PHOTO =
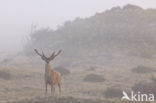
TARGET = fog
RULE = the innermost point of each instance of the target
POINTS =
(18, 15)
(105, 49)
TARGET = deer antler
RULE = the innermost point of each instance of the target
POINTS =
(54, 55)
(38, 52)
(58, 52)
(43, 53)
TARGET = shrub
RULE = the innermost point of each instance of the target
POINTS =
(112, 92)
(146, 55)
(153, 78)
(143, 69)
(62, 70)
(5, 75)
(94, 78)
(92, 68)
(144, 87)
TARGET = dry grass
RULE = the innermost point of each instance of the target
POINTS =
(61, 100)
(27, 84)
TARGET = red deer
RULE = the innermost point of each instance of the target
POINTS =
(52, 77)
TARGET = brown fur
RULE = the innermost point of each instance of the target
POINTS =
(56, 76)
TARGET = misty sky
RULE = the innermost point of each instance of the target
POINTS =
(16, 16)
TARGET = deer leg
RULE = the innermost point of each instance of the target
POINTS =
(51, 88)
(54, 89)
(59, 85)
(45, 88)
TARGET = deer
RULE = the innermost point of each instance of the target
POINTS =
(52, 77)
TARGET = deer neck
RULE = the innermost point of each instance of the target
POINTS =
(48, 68)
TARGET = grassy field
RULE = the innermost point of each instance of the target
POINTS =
(25, 85)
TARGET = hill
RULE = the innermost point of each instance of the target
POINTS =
(105, 38)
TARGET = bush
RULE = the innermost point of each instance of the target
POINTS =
(92, 68)
(93, 78)
(62, 70)
(146, 88)
(112, 93)
(143, 69)
(146, 55)
(153, 78)
(5, 75)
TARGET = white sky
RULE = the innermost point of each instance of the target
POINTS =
(16, 16)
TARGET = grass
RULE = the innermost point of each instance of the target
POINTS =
(60, 100)
(27, 86)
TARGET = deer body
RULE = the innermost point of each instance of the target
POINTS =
(52, 77)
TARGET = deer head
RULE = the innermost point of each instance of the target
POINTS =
(48, 59)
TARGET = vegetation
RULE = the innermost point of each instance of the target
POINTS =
(119, 36)
(92, 68)
(62, 70)
(145, 87)
(93, 78)
(62, 100)
(129, 31)
(143, 69)
(5, 75)
(111, 92)
(153, 78)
